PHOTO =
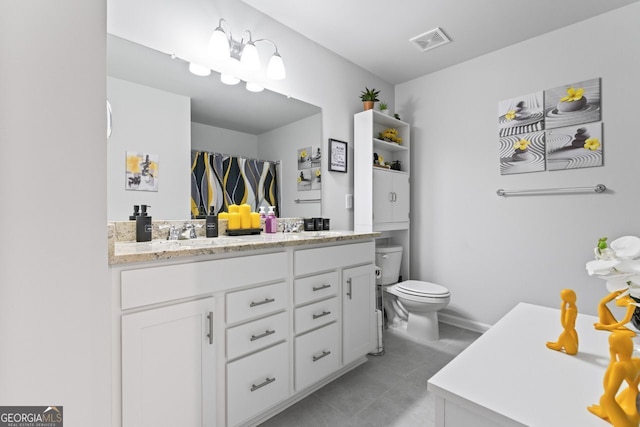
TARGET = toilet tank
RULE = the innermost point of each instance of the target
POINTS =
(388, 258)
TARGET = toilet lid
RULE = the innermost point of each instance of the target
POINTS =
(419, 288)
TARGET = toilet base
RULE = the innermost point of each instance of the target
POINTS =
(424, 326)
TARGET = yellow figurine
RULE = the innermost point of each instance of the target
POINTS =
(607, 321)
(568, 339)
(620, 408)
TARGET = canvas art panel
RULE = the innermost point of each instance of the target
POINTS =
(304, 180)
(522, 153)
(572, 104)
(141, 172)
(523, 114)
(304, 158)
(574, 147)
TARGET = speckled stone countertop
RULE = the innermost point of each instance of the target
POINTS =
(122, 251)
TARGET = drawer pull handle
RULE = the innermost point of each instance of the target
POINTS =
(324, 354)
(324, 313)
(319, 288)
(266, 334)
(210, 334)
(266, 301)
(266, 382)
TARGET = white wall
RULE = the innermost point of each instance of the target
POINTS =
(493, 252)
(219, 140)
(314, 74)
(54, 284)
(283, 144)
(148, 120)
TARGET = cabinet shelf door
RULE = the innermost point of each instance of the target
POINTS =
(168, 366)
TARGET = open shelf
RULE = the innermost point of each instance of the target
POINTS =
(389, 146)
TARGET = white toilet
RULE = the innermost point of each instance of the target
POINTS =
(414, 301)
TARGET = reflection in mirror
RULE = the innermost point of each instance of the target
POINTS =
(162, 110)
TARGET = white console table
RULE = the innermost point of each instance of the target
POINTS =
(508, 377)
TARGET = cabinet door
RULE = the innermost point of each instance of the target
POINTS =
(382, 196)
(358, 289)
(400, 197)
(168, 366)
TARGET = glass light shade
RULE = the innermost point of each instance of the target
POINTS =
(253, 87)
(249, 59)
(219, 45)
(199, 70)
(229, 79)
(275, 69)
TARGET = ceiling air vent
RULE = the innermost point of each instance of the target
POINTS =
(430, 40)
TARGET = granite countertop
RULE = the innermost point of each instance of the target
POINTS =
(125, 252)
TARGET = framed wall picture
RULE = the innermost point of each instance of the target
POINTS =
(337, 155)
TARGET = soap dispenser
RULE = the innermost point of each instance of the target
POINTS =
(271, 224)
(136, 213)
(143, 225)
(211, 223)
(263, 218)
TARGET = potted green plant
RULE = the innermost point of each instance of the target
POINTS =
(369, 97)
(383, 107)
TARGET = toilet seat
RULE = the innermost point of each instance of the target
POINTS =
(422, 289)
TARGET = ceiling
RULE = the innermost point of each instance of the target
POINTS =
(374, 34)
(212, 102)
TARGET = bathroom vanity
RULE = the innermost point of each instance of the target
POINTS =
(231, 330)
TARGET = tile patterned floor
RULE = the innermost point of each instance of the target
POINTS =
(387, 391)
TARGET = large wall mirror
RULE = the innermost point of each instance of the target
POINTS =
(162, 110)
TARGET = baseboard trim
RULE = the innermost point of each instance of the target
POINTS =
(463, 323)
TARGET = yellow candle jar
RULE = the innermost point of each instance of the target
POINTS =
(234, 221)
(255, 219)
(245, 218)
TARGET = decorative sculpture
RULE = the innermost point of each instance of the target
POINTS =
(568, 339)
(607, 322)
(620, 408)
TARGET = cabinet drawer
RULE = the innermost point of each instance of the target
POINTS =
(170, 282)
(317, 355)
(315, 315)
(257, 382)
(244, 305)
(309, 261)
(315, 287)
(255, 335)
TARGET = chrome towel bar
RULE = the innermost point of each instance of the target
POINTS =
(307, 200)
(599, 188)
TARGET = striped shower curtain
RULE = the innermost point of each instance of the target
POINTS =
(220, 180)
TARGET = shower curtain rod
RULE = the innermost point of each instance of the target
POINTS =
(599, 188)
(277, 162)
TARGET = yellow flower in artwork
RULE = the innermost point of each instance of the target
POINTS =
(510, 115)
(573, 95)
(592, 144)
(318, 173)
(133, 164)
(303, 154)
(153, 168)
(299, 180)
(521, 145)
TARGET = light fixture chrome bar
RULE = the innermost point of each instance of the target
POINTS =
(599, 188)
(307, 200)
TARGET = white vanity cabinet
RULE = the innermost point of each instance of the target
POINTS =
(168, 366)
(230, 340)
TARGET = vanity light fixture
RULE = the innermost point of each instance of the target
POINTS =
(199, 70)
(222, 46)
(253, 87)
